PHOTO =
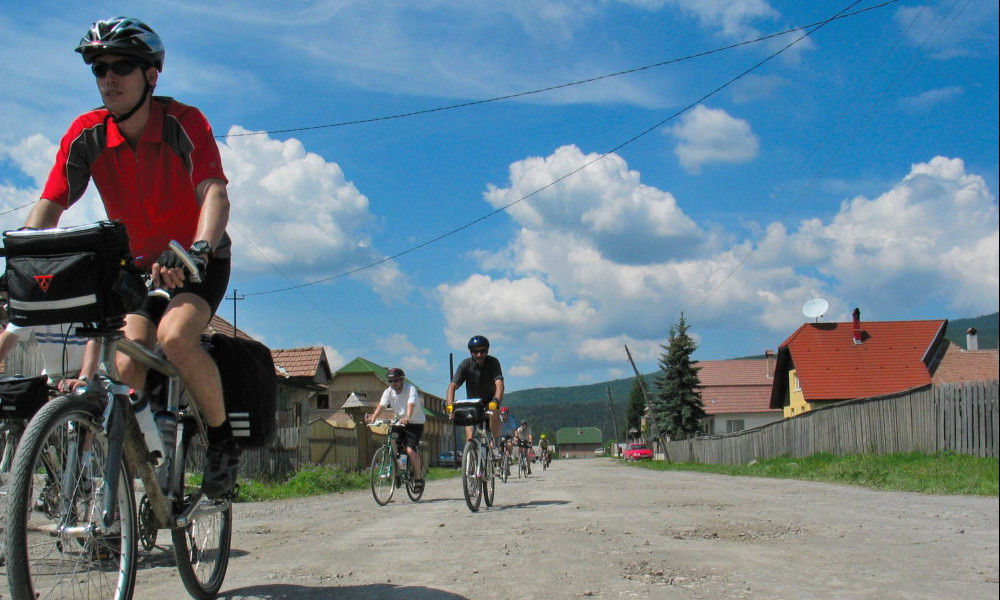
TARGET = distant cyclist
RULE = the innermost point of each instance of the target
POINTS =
(543, 445)
(483, 379)
(508, 425)
(523, 439)
(404, 401)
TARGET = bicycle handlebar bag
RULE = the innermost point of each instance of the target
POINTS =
(21, 397)
(470, 411)
(81, 274)
(249, 388)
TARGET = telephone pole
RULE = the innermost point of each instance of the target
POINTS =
(235, 298)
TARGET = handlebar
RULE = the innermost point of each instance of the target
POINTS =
(189, 265)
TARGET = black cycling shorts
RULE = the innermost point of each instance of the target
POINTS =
(410, 434)
(212, 290)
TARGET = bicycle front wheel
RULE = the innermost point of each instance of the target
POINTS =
(56, 545)
(489, 479)
(383, 476)
(202, 546)
(10, 435)
(504, 466)
(522, 465)
(471, 476)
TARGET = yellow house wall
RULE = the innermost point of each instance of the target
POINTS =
(796, 400)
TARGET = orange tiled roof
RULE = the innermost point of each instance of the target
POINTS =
(960, 365)
(220, 325)
(894, 356)
(298, 362)
(735, 386)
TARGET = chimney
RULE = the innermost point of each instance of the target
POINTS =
(971, 339)
(769, 355)
(857, 325)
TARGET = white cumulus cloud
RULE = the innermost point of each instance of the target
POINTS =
(711, 135)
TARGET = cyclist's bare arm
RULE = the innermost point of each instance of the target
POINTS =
(44, 214)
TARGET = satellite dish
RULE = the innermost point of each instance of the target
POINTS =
(815, 308)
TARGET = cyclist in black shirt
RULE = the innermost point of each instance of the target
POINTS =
(483, 379)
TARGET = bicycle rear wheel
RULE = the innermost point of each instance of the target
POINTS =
(55, 546)
(202, 547)
(489, 479)
(411, 480)
(383, 476)
(470, 476)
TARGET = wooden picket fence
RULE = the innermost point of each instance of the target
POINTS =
(960, 418)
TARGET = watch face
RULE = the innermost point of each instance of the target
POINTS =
(201, 247)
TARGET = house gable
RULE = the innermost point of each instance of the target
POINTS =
(837, 361)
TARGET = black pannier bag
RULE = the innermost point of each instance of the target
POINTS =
(249, 388)
(81, 274)
(21, 397)
(471, 411)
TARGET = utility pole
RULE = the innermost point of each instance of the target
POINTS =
(649, 406)
(614, 420)
(234, 298)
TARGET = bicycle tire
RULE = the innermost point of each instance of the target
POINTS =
(411, 479)
(382, 475)
(10, 435)
(504, 466)
(470, 478)
(202, 547)
(489, 480)
(522, 465)
(54, 549)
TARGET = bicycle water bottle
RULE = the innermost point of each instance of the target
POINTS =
(402, 460)
(147, 424)
(167, 424)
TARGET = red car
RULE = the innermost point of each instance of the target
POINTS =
(637, 451)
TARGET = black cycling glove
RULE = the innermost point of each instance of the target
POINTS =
(170, 260)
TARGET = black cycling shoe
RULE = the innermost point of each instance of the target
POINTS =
(222, 460)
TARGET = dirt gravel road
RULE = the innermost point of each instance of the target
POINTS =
(595, 528)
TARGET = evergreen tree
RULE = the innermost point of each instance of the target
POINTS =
(676, 405)
(634, 409)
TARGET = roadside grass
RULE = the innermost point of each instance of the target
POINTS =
(943, 473)
(312, 480)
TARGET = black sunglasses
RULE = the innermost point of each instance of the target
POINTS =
(479, 351)
(394, 380)
(120, 67)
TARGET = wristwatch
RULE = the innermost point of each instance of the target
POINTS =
(202, 247)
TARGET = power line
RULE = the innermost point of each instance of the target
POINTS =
(569, 174)
(560, 86)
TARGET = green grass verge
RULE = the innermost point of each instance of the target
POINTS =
(314, 480)
(943, 473)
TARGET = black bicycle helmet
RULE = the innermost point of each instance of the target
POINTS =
(479, 341)
(395, 373)
(122, 36)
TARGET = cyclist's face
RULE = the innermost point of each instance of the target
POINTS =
(479, 354)
(121, 92)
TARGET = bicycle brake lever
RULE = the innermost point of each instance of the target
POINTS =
(189, 265)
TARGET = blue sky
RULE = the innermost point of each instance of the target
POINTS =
(735, 178)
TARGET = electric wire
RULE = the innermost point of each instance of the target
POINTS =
(602, 156)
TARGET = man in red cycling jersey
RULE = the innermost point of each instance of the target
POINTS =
(158, 169)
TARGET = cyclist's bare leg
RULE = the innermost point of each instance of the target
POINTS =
(495, 425)
(414, 458)
(180, 335)
(141, 330)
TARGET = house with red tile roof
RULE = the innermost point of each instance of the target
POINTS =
(961, 365)
(736, 394)
(824, 363)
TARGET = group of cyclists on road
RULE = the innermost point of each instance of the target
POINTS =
(483, 378)
(158, 169)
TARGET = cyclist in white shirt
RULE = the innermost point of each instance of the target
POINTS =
(404, 402)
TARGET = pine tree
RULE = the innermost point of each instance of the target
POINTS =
(677, 405)
(634, 409)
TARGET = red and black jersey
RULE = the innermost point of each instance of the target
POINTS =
(150, 188)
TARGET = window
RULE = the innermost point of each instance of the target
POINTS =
(795, 383)
(322, 401)
(734, 425)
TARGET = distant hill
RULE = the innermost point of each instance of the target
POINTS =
(549, 409)
(987, 330)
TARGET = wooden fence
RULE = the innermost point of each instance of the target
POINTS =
(961, 418)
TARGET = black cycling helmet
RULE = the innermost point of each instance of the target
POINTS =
(122, 36)
(479, 341)
(395, 373)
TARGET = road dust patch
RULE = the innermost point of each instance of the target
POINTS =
(768, 531)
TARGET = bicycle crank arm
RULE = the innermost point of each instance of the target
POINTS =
(201, 507)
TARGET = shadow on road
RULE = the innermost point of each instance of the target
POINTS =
(380, 591)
